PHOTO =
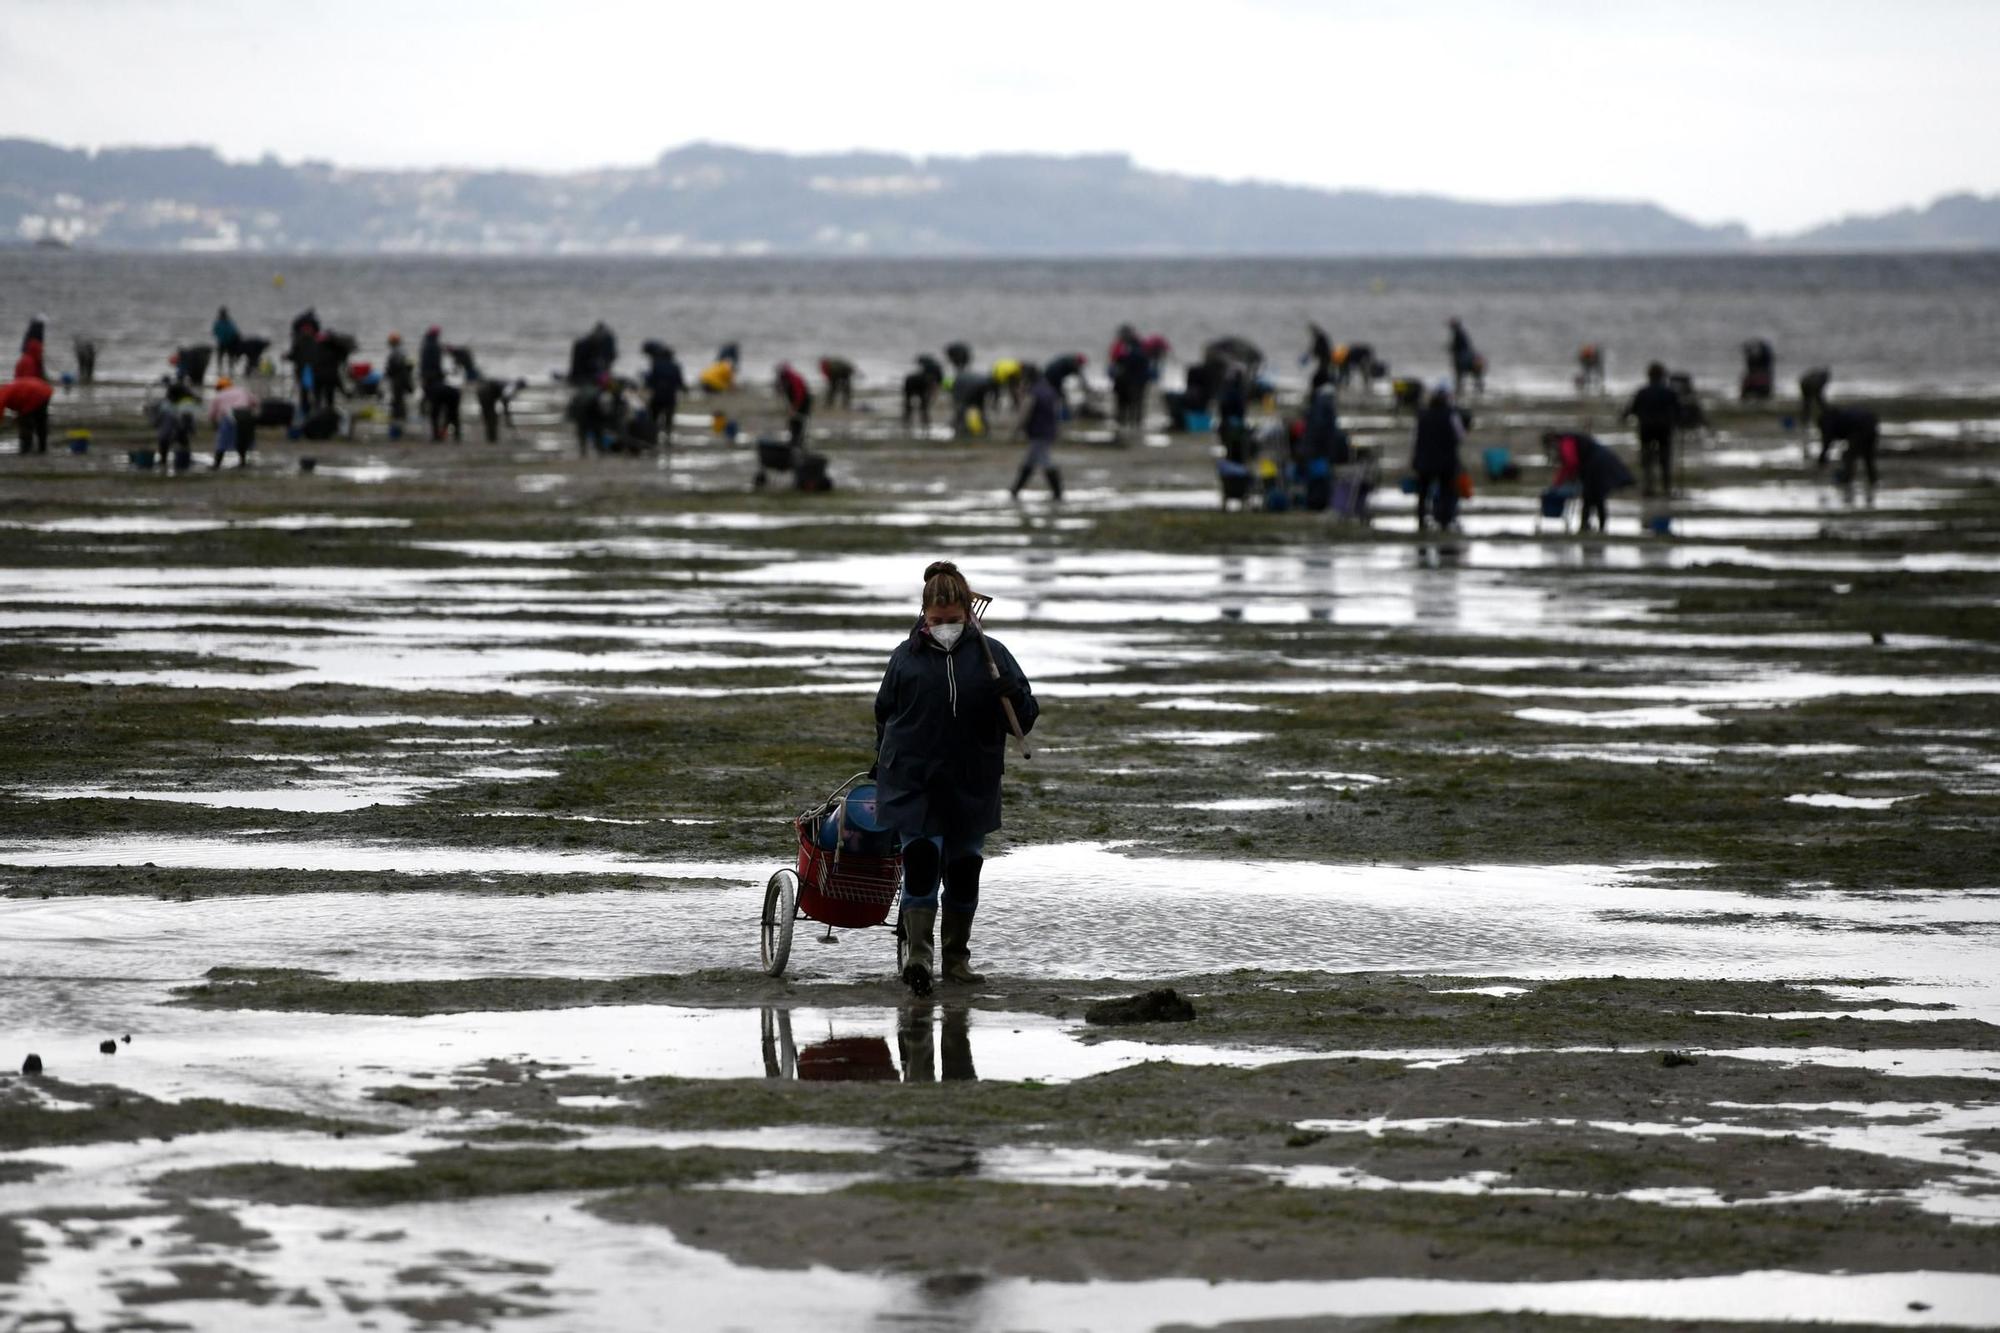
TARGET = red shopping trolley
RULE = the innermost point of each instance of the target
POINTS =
(848, 875)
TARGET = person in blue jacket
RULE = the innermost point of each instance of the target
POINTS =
(940, 747)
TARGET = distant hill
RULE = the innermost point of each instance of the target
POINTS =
(1953, 222)
(709, 199)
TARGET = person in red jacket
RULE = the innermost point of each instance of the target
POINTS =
(796, 394)
(31, 366)
(1588, 464)
(28, 399)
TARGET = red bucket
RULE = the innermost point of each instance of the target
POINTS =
(846, 889)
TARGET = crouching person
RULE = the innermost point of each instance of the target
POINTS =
(1595, 470)
(1860, 429)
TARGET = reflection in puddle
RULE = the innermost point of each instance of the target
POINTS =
(327, 1064)
(921, 1035)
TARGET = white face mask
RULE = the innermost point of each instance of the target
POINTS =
(947, 634)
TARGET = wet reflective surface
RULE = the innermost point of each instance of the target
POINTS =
(396, 670)
(1181, 915)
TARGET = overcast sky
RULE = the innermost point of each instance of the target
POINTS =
(1777, 113)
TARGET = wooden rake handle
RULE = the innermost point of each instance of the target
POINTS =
(978, 608)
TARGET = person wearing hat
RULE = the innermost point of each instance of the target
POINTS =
(233, 413)
(940, 748)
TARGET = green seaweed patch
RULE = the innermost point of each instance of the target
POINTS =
(1229, 1228)
(1568, 1153)
(1384, 1011)
(297, 990)
(114, 1114)
(16, 1249)
(503, 1134)
(469, 1173)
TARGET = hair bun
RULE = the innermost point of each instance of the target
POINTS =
(945, 586)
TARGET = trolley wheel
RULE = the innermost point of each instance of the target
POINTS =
(781, 911)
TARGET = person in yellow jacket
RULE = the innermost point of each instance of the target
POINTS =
(720, 377)
(1008, 379)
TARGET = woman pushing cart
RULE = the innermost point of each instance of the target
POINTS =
(949, 699)
(947, 703)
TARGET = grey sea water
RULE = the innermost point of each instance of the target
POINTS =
(1885, 323)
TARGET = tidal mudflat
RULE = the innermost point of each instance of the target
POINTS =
(1580, 933)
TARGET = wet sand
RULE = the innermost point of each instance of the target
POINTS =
(1572, 925)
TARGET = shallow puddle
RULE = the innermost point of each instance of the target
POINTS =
(1617, 718)
(326, 1063)
(544, 1254)
(1835, 801)
(1079, 911)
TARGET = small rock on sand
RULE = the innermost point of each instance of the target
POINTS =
(108, 1046)
(32, 1065)
(1155, 1006)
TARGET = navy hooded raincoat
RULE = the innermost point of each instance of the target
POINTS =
(941, 735)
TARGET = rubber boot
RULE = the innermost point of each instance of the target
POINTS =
(961, 900)
(1020, 480)
(917, 924)
(955, 934)
(1055, 482)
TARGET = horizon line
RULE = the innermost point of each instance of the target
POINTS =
(303, 162)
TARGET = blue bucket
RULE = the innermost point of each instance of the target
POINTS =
(1554, 503)
(855, 828)
(1497, 460)
(1200, 423)
(1661, 525)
